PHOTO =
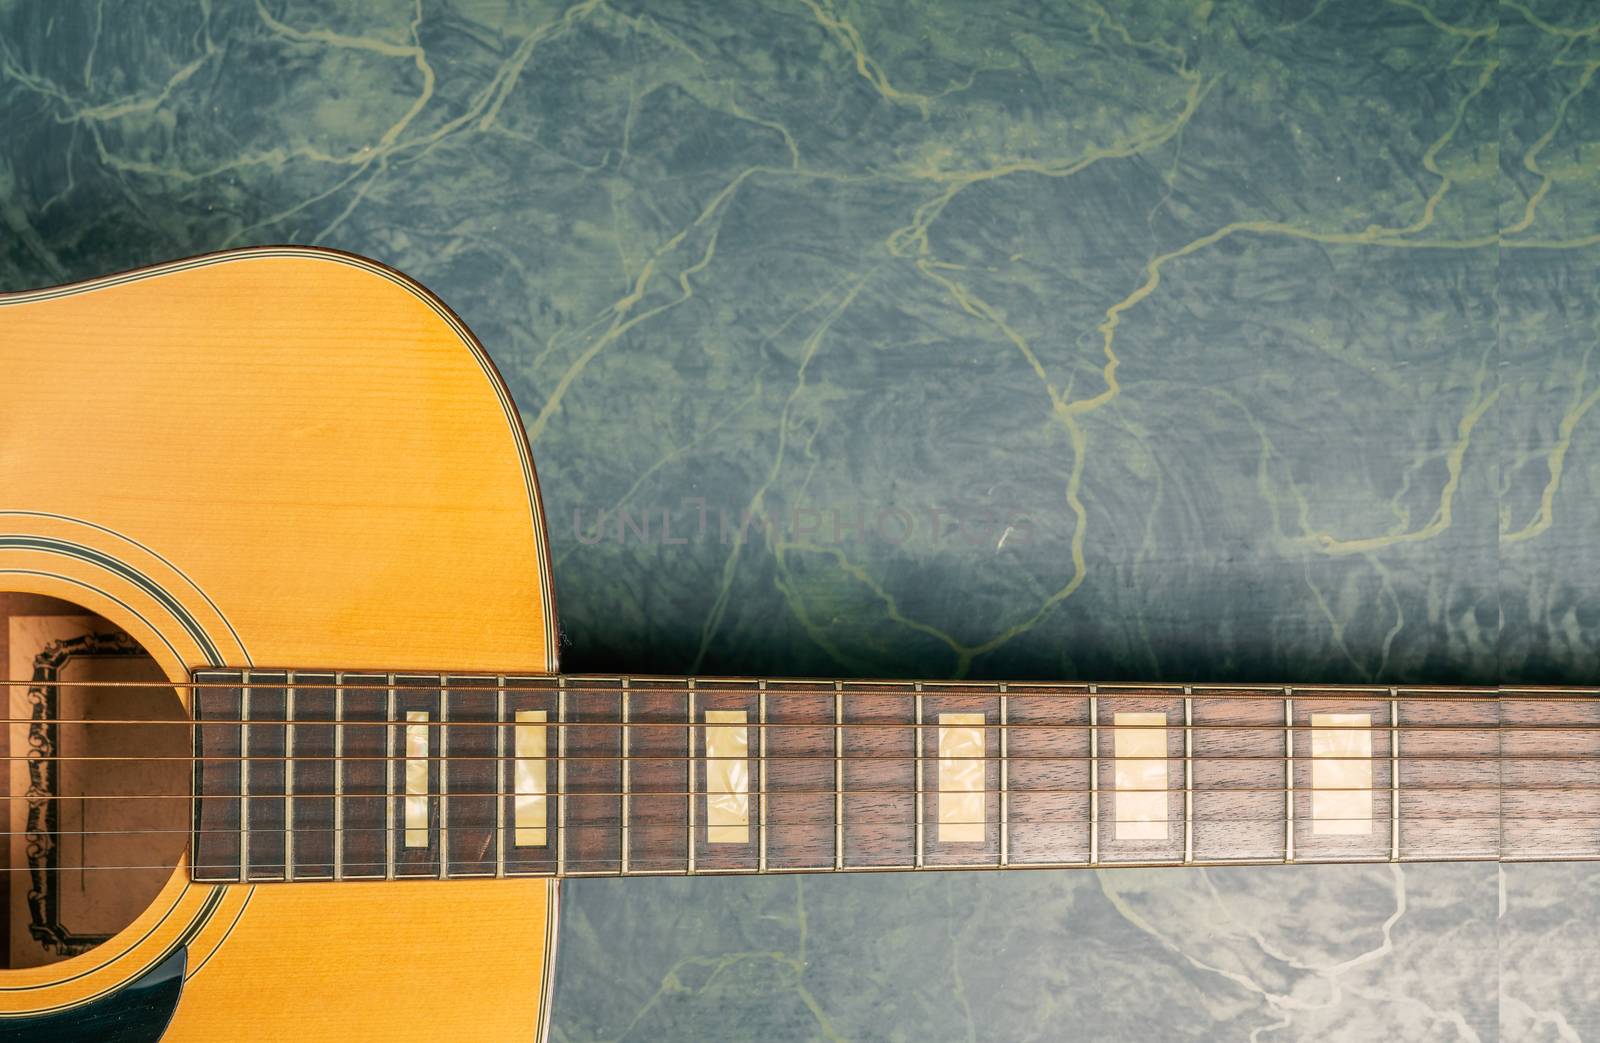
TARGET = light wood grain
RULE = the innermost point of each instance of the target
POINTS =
(316, 466)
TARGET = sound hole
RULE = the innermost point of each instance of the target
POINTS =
(98, 783)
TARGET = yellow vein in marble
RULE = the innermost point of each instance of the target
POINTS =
(1065, 410)
(512, 71)
(1330, 973)
(1372, 235)
(1443, 517)
(94, 44)
(1294, 999)
(975, 306)
(811, 346)
(363, 158)
(1549, 28)
(1556, 460)
(105, 111)
(621, 323)
(1154, 46)
(1270, 499)
(14, 215)
(1316, 10)
(1555, 1018)
(1386, 587)
(866, 66)
(140, 106)
(1335, 628)
(413, 51)
(891, 606)
(1530, 159)
(1434, 20)
(788, 139)
(702, 434)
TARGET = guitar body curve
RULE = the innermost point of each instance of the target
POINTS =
(284, 456)
(139, 1012)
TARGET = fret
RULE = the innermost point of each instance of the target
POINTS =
(1142, 808)
(1049, 783)
(390, 715)
(442, 734)
(363, 804)
(561, 780)
(244, 777)
(288, 781)
(217, 704)
(469, 830)
(838, 775)
(1005, 777)
(337, 788)
(1341, 776)
(1549, 743)
(1288, 793)
(415, 776)
(879, 775)
(501, 753)
(312, 770)
(1188, 775)
(761, 785)
(626, 773)
(266, 775)
(1237, 775)
(802, 808)
(961, 774)
(593, 786)
(1449, 779)
(1394, 775)
(1094, 777)
(530, 834)
(657, 840)
(689, 740)
(916, 738)
(722, 845)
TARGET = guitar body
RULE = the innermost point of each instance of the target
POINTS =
(270, 457)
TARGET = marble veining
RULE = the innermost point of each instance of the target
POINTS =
(1190, 340)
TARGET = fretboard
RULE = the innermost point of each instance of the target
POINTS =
(304, 775)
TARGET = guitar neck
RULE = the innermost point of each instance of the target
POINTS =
(321, 776)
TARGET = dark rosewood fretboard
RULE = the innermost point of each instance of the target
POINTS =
(307, 775)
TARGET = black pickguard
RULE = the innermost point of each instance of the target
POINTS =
(136, 1013)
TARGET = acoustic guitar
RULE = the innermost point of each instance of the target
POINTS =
(290, 756)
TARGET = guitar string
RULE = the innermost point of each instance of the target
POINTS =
(1377, 790)
(679, 823)
(437, 690)
(632, 725)
(1198, 759)
(828, 823)
(611, 867)
(801, 688)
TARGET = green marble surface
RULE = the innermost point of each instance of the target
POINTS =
(1246, 340)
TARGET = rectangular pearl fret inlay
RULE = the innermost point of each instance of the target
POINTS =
(416, 814)
(1341, 774)
(727, 777)
(530, 821)
(1140, 779)
(961, 769)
